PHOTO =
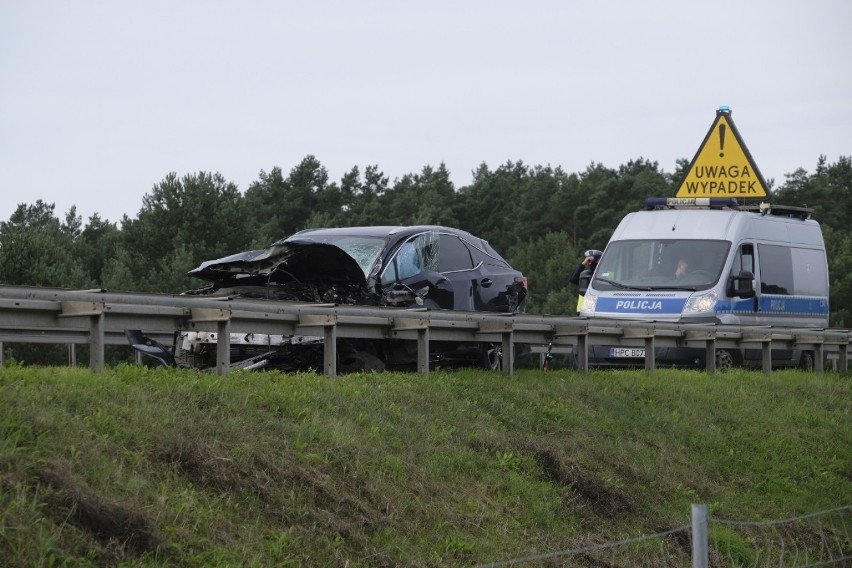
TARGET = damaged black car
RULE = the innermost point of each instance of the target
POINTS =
(417, 266)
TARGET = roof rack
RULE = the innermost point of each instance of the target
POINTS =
(802, 213)
(764, 208)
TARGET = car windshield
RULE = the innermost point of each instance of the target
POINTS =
(661, 264)
(365, 250)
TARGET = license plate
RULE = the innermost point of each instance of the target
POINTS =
(621, 352)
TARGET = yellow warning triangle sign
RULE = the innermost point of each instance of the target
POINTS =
(723, 166)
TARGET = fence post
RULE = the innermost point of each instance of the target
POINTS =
(699, 536)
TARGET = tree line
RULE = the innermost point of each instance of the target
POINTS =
(540, 218)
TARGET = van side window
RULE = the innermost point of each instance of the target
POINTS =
(744, 261)
(776, 269)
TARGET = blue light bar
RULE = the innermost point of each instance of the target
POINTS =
(709, 202)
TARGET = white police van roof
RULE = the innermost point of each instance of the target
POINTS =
(719, 219)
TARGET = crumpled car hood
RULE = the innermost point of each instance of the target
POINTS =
(296, 261)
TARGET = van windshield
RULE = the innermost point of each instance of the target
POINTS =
(672, 264)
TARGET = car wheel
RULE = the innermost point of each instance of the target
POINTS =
(492, 356)
(806, 363)
(725, 360)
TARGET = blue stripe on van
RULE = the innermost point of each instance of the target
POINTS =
(735, 306)
(793, 305)
(640, 305)
(776, 304)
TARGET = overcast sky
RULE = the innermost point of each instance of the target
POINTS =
(100, 100)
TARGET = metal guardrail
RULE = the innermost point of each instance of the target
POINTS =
(99, 318)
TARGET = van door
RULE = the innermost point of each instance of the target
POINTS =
(773, 287)
(746, 307)
(743, 264)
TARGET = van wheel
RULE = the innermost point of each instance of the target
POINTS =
(806, 363)
(725, 360)
(360, 361)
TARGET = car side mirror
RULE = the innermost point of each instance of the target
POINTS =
(742, 285)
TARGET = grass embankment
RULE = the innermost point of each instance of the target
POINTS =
(164, 467)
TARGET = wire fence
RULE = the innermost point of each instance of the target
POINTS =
(822, 538)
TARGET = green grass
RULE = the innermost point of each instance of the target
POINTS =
(155, 467)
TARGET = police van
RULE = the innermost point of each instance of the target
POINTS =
(710, 260)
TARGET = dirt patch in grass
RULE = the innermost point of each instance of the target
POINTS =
(348, 510)
(565, 471)
(561, 469)
(122, 530)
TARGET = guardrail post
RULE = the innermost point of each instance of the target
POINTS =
(764, 337)
(508, 362)
(423, 351)
(810, 340)
(579, 331)
(708, 337)
(507, 346)
(328, 323)
(700, 556)
(582, 354)
(404, 326)
(96, 342)
(650, 355)
(223, 347)
(646, 333)
(95, 312)
(837, 339)
(710, 357)
(222, 317)
(329, 352)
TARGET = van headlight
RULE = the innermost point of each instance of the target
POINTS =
(590, 301)
(699, 303)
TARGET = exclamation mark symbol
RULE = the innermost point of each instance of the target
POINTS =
(721, 140)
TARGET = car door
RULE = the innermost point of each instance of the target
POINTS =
(411, 275)
(456, 265)
(493, 282)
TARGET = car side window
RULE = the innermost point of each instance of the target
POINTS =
(480, 256)
(418, 254)
(454, 255)
(407, 261)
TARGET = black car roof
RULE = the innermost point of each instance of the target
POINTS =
(381, 230)
(400, 231)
